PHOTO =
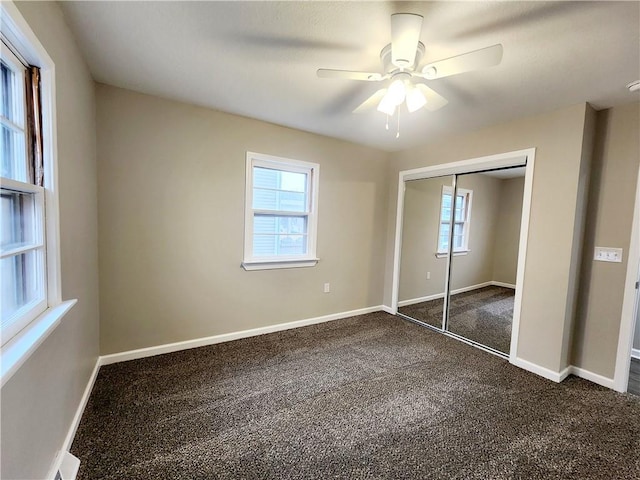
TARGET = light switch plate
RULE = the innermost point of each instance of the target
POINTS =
(607, 254)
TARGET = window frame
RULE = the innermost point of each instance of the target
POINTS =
(466, 223)
(30, 311)
(309, 259)
(28, 49)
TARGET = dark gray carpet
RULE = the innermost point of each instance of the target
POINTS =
(484, 315)
(367, 397)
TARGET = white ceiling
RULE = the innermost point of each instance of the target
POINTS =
(259, 59)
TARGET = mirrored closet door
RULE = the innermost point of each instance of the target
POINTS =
(423, 274)
(486, 235)
(459, 254)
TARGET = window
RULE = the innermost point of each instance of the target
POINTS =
(280, 213)
(30, 293)
(22, 262)
(460, 223)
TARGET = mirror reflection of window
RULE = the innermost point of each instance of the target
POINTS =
(461, 224)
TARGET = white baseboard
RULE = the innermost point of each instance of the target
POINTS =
(470, 287)
(64, 460)
(80, 410)
(542, 371)
(227, 337)
(592, 377)
(560, 376)
(387, 309)
(413, 301)
(564, 374)
(502, 284)
(428, 298)
(635, 353)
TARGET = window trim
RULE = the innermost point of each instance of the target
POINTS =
(16, 32)
(251, 262)
(446, 189)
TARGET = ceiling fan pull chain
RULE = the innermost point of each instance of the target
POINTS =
(398, 130)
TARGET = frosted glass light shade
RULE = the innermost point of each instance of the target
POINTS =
(415, 100)
(387, 105)
(397, 92)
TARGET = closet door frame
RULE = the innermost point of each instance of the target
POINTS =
(490, 162)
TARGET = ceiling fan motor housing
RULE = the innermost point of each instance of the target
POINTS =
(389, 66)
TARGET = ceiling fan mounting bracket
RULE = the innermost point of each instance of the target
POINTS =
(401, 75)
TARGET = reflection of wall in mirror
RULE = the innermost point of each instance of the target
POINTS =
(507, 235)
(493, 237)
(421, 218)
(636, 337)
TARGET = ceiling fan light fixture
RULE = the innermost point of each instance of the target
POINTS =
(386, 105)
(397, 92)
(415, 100)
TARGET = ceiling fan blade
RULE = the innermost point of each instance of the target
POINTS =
(405, 35)
(349, 75)
(485, 57)
(371, 102)
(434, 99)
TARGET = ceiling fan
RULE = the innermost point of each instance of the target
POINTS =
(400, 60)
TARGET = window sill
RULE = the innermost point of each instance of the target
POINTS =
(457, 253)
(272, 265)
(17, 350)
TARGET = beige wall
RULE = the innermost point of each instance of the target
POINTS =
(40, 400)
(171, 209)
(579, 222)
(420, 240)
(558, 139)
(507, 233)
(609, 215)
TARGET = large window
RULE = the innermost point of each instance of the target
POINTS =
(280, 212)
(22, 247)
(461, 217)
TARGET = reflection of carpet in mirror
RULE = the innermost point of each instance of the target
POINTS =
(428, 312)
(483, 315)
